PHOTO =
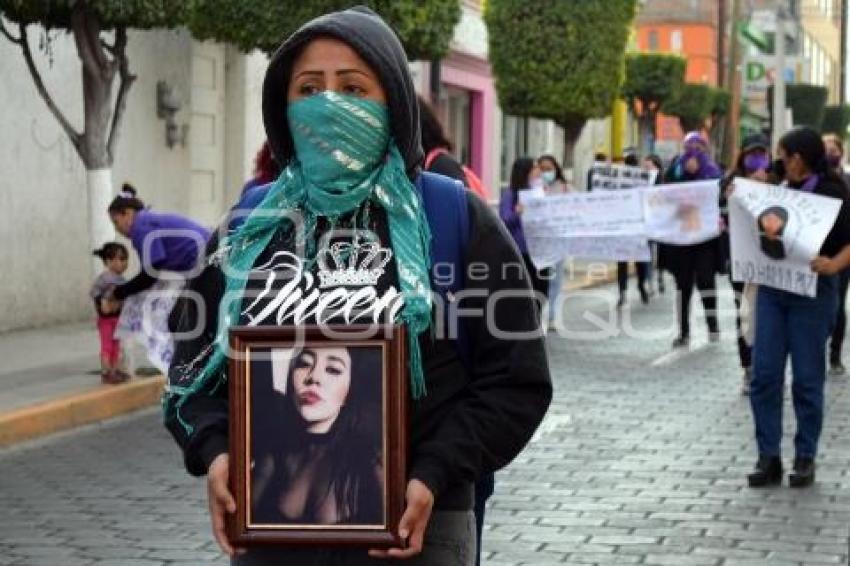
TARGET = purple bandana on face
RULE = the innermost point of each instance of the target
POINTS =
(756, 161)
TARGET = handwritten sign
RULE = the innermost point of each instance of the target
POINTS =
(683, 214)
(606, 225)
(615, 176)
(776, 232)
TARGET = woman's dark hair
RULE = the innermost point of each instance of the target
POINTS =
(559, 172)
(632, 160)
(266, 168)
(808, 144)
(354, 443)
(657, 161)
(111, 250)
(519, 175)
(125, 200)
(433, 135)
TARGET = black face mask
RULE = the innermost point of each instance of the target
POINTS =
(778, 168)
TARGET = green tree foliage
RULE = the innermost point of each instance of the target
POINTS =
(652, 79)
(561, 61)
(111, 14)
(836, 120)
(806, 101)
(692, 105)
(425, 27)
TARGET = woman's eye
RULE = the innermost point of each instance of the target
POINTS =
(354, 90)
(308, 89)
(334, 370)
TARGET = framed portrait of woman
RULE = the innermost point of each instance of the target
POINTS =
(318, 430)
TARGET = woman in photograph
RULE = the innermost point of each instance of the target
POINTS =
(327, 466)
(795, 325)
(341, 116)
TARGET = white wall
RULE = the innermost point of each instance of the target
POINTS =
(44, 249)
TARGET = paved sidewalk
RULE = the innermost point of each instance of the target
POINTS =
(641, 460)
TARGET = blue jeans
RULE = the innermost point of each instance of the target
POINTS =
(799, 326)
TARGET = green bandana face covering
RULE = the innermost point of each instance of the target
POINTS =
(343, 157)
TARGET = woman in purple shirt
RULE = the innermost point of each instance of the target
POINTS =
(163, 241)
(524, 171)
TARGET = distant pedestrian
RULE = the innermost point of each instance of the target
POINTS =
(554, 182)
(653, 162)
(835, 156)
(524, 174)
(797, 325)
(114, 256)
(697, 263)
(438, 152)
(753, 163)
(641, 267)
(164, 241)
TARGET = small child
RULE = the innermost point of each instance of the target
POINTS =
(114, 256)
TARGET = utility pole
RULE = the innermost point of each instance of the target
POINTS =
(779, 119)
(721, 42)
(734, 81)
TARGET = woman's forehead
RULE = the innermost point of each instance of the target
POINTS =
(326, 54)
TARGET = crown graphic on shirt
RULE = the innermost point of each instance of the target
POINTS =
(352, 264)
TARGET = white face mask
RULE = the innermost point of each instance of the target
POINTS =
(548, 177)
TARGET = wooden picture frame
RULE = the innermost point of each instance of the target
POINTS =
(315, 481)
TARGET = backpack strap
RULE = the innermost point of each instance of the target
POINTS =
(434, 154)
(447, 210)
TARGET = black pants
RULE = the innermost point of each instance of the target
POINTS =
(837, 339)
(696, 265)
(745, 351)
(539, 279)
(642, 269)
(483, 490)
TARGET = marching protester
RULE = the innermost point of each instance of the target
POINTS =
(554, 183)
(641, 267)
(341, 85)
(753, 163)
(693, 264)
(524, 174)
(438, 148)
(114, 256)
(835, 156)
(653, 162)
(796, 325)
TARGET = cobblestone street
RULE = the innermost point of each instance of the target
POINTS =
(641, 460)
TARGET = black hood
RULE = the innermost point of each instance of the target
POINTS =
(377, 44)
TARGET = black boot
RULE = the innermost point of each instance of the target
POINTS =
(803, 474)
(644, 294)
(768, 472)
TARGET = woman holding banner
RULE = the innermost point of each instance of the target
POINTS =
(835, 155)
(798, 325)
(698, 263)
(753, 163)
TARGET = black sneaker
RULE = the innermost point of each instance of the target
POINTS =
(836, 369)
(803, 474)
(768, 472)
(644, 294)
(681, 342)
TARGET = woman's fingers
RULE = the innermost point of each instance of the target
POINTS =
(413, 524)
(221, 501)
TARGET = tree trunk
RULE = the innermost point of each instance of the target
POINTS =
(573, 128)
(646, 133)
(99, 194)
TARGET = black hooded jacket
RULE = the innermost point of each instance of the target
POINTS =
(478, 413)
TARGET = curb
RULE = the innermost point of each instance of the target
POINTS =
(79, 409)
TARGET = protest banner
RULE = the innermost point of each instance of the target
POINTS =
(607, 225)
(682, 214)
(615, 176)
(776, 232)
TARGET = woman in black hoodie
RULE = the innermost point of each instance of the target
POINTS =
(484, 398)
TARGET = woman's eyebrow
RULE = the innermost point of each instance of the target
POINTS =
(311, 73)
(352, 71)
